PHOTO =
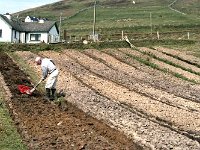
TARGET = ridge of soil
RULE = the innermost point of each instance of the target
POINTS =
(161, 64)
(44, 125)
(117, 94)
(148, 105)
(111, 95)
(159, 79)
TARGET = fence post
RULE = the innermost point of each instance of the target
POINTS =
(122, 34)
(188, 35)
(158, 36)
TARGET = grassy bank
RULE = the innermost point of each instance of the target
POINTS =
(191, 44)
(9, 137)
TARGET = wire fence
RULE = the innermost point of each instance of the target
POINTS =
(137, 36)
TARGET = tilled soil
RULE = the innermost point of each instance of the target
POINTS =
(141, 82)
(163, 65)
(178, 62)
(45, 125)
(181, 55)
(129, 96)
(157, 78)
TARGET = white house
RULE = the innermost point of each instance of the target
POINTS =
(31, 19)
(27, 32)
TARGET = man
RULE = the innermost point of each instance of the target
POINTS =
(48, 69)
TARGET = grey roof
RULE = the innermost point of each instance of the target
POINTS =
(37, 27)
(14, 24)
(30, 26)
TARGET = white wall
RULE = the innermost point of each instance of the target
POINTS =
(53, 35)
(28, 19)
(44, 37)
(17, 38)
(22, 37)
(8, 35)
(6, 31)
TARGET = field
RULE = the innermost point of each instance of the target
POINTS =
(116, 98)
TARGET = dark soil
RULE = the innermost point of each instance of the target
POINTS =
(45, 125)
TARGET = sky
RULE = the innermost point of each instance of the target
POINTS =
(12, 6)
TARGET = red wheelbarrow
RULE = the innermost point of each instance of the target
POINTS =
(27, 90)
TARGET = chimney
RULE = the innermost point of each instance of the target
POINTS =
(41, 21)
(8, 16)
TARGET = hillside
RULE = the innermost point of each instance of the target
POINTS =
(189, 7)
(113, 16)
(69, 7)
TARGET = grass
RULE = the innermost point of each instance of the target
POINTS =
(113, 17)
(132, 17)
(9, 137)
(128, 17)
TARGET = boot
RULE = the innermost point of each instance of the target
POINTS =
(47, 96)
(53, 93)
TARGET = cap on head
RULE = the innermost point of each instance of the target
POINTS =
(37, 59)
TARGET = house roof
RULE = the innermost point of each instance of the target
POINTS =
(37, 27)
(30, 26)
(14, 24)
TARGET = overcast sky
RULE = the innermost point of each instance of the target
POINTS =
(12, 6)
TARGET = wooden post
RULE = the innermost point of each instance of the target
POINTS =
(65, 35)
(94, 22)
(151, 22)
(122, 34)
(158, 36)
(188, 35)
(60, 27)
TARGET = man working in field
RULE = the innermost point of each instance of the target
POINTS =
(48, 69)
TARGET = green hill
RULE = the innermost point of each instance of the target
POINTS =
(115, 16)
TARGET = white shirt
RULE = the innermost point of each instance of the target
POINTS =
(47, 66)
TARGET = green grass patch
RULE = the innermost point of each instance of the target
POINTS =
(113, 17)
(9, 137)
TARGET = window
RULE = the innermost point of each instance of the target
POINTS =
(15, 34)
(0, 33)
(35, 37)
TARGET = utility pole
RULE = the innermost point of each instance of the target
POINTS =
(60, 27)
(151, 22)
(94, 21)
